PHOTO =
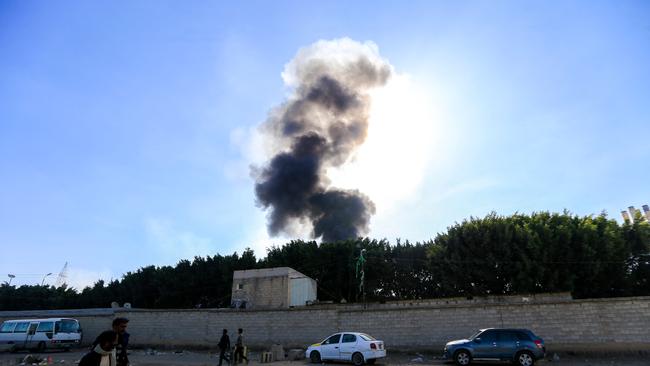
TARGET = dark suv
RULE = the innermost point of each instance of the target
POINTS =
(520, 346)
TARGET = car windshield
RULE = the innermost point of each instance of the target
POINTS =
(475, 335)
(367, 337)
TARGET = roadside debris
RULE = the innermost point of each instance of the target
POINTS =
(418, 359)
(266, 357)
(278, 352)
(152, 352)
(31, 359)
(296, 354)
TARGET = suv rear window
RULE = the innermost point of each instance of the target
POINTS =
(522, 336)
(508, 336)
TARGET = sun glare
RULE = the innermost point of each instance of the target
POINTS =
(391, 164)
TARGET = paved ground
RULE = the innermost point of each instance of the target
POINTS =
(197, 358)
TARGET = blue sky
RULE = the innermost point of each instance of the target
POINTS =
(125, 126)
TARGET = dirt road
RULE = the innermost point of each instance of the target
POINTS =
(198, 358)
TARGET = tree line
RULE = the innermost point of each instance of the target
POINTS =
(590, 256)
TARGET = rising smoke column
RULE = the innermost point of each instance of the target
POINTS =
(319, 127)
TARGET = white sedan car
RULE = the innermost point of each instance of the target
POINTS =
(359, 348)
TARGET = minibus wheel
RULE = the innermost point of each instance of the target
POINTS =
(41, 347)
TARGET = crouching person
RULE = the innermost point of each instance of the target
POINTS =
(104, 352)
(121, 349)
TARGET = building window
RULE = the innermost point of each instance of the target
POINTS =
(240, 286)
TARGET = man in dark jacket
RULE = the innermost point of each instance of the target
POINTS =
(103, 354)
(239, 348)
(119, 327)
(224, 345)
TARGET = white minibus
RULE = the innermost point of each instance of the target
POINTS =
(40, 334)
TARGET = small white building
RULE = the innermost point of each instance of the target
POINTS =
(268, 288)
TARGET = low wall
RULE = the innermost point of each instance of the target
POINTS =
(619, 324)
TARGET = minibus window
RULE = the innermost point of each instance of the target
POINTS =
(7, 327)
(67, 326)
(21, 327)
(45, 327)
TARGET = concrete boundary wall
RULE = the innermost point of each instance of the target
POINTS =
(618, 324)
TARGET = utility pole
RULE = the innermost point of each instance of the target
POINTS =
(361, 274)
(43, 282)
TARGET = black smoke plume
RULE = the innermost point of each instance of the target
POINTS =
(317, 128)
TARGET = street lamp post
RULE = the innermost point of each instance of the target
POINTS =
(43, 282)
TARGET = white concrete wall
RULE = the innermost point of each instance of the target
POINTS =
(302, 290)
(596, 325)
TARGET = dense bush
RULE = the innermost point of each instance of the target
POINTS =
(543, 252)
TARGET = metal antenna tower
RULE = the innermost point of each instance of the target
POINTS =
(63, 276)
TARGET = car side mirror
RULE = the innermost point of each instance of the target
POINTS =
(477, 340)
(79, 330)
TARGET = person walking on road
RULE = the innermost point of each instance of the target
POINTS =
(239, 347)
(224, 346)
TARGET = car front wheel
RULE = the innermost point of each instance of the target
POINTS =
(462, 358)
(314, 357)
(525, 359)
(357, 359)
